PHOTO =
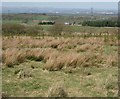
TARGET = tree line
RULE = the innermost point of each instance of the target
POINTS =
(101, 23)
(46, 23)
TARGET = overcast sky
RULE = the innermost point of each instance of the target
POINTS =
(82, 5)
(59, 0)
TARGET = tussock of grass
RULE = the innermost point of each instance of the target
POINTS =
(83, 48)
(73, 60)
(13, 56)
(23, 74)
(111, 60)
(52, 52)
(29, 42)
(57, 90)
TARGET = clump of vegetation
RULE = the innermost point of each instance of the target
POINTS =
(111, 60)
(34, 55)
(53, 52)
(53, 64)
(12, 57)
(46, 23)
(57, 91)
(13, 29)
(68, 30)
(72, 60)
(34, 30)
(83, 48)
(56, 29)
(21, 74)
(101, 23)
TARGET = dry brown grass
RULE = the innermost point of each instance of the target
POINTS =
(16, 56)
(49, 42)
(57, 53)
(13, 56)
(83, 64)
(83, 48)
(111, 60)
(55, 60)
(73, 60)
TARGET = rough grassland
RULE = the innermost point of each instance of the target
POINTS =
(84, 66)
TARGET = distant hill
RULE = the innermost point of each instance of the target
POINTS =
(55, 10)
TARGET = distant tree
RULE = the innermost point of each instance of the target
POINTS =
(46, 23)
(100, 23)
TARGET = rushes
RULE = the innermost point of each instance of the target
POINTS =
(13, 56)
(54, 60)
(73, 60)
(58, 53)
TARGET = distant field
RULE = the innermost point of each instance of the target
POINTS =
(54, 17)
(16, 28)
(111, 30)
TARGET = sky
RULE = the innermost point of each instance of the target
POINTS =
(82, 5)
(60, 0)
